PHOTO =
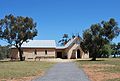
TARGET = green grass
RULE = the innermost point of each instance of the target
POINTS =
(22, 69)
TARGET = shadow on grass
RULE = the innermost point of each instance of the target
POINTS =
(90, 60)
(3, 61)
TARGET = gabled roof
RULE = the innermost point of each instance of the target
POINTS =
(70, 42)
(39, 44)
(46, 44)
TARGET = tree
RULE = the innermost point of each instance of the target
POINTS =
(114, 47)
(106, 51)
(98, 35)
(64, 40)
(118, 47)
(16, 30)
(4, 52)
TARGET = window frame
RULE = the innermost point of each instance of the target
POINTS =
(46, 52)
(35, 52)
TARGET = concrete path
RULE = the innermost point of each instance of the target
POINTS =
(65, 71)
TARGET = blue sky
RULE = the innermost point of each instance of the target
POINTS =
(56, 17)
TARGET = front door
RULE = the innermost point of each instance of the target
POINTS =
(78, 54)
(59, 54)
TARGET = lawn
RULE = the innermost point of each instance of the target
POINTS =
(104, 69)
(22, 70)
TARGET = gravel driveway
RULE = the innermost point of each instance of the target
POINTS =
(65, 71)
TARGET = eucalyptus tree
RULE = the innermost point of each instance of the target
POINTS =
(98, 35)
(17, 30)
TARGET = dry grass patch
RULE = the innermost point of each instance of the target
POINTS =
(22, 71)
(102, 70)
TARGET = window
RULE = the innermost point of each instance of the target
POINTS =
(35, 52)
(45, 52)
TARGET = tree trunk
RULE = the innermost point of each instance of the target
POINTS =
(94, 57)
(20, 54)
(114, 55)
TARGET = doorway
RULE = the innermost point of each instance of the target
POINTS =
(59, 54)
(78, 54)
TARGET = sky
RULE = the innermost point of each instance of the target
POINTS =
(56, 17)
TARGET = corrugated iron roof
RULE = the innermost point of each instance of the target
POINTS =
(39, 44)
(45, 44)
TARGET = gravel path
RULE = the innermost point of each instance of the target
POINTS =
(66, 71)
